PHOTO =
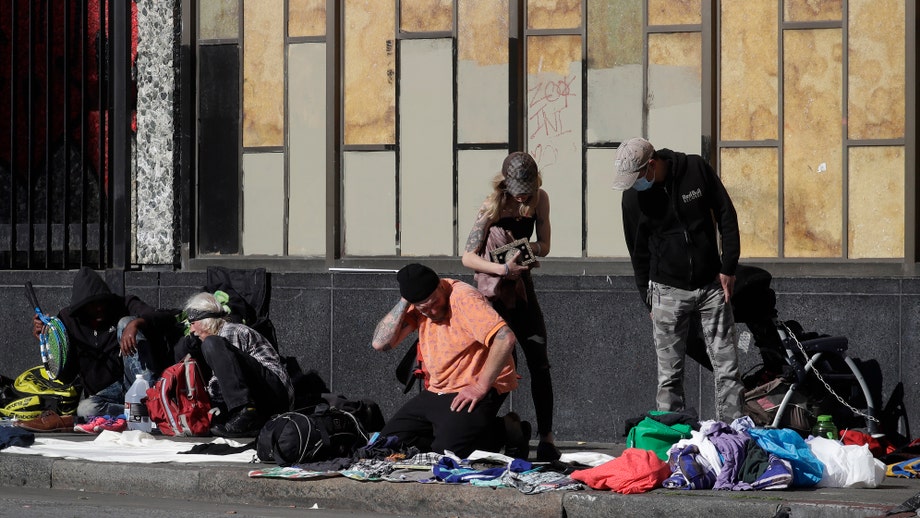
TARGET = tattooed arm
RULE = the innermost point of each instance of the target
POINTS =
(499, 351)
(393, 328)
(474, 245)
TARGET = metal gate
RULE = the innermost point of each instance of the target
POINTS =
(58, 87)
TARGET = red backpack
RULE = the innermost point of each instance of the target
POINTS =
(178, 403)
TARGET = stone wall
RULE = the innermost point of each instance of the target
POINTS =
(599, 335)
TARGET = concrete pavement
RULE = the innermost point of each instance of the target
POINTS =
(228, 483)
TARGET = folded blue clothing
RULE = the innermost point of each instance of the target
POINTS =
(689, 470)
(450, 471)
(698, 475)
(904, 469)
(13, 436)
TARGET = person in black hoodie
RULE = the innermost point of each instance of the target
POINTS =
(673, 206)
(111, 339)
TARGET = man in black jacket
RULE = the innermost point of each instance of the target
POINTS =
(673, 206)
(110, 338)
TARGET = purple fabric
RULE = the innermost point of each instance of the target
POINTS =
(731, 447)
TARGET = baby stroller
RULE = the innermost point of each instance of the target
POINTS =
(802, 374)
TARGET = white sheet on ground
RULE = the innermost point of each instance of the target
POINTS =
(130, 446)
(586, 458)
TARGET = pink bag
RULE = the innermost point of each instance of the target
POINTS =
(495, 287)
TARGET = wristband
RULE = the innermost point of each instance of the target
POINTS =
(507, 270)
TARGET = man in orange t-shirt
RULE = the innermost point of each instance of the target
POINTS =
(469, 371)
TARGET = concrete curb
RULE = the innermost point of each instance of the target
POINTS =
(229, 483)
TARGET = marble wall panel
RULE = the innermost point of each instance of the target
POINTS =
(370, 72)
(876, 202)
(218, 19)
(475, 171)
(749, 71)
(155, 192)
(426, 15)
(307, 141)
(751, 177)
(426, 158)
(306, 18)
(615, 73)
(674, 91)
(812, 158)
(263, 77)
(876, 68)
(554, 121)
(812, 10)
(369, 195)
(303, 319)
(593, 395)
(603, 368)
(674, 12)
(554, 14)
(482, 71)
(908, 359)
(603, 216)
(355, 313)
(263, 210)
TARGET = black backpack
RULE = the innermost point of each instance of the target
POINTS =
(319, 433)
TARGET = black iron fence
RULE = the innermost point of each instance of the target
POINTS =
(56, 132)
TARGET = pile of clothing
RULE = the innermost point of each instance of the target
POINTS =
(742, 457)
(384, 460)
(737, 457)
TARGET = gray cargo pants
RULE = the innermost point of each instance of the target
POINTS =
(671, 311)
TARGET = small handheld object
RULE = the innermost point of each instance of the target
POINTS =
(52, 341)
(526, 257)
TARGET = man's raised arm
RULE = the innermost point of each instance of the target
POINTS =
(393, 328)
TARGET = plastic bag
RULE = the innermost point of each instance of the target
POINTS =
(787, 444)
(847, 465)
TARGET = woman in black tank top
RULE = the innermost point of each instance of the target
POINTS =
(513, 210)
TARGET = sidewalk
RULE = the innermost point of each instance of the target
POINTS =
(229, 483)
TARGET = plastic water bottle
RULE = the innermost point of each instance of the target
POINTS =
(135, 409)
(825, 427)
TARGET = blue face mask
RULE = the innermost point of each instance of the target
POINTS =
(642, 184)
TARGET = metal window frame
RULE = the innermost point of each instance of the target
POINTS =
(711, 144)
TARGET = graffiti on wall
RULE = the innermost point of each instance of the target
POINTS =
(553, 113)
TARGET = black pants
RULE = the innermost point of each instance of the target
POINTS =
(427, 422)
(243, 380)
(526, 321)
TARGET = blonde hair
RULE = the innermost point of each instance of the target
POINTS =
(499, 196)
(206, 303)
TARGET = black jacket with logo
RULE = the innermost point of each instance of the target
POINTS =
(671, 228)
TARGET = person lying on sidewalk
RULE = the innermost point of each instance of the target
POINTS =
(247, 380)
(466, 355)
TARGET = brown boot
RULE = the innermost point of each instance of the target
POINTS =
(49, 421)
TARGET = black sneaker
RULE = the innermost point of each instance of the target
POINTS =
(517, 436)
(547, 452)
(246, 422)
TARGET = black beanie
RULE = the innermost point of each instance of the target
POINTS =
(417, 282)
